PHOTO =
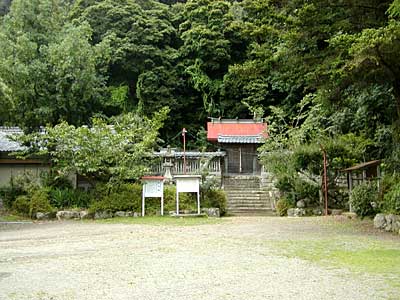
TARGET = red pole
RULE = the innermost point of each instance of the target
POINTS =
(184, 150)
(325, 180)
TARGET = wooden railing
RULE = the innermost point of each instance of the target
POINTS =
(195, 163)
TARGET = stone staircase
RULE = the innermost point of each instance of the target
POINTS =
(246, 197)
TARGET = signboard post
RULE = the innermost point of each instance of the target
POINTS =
(153, 187)
(187, 184)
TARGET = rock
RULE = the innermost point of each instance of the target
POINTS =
(317, 212)
(84, 214)
(67, 215)
(212, 212)
(301, 204)
(45, 216)
(391, 223)
(120, 214)
(290, 212)
(380, 221)
(135, 215)
(336, 212)
(105, 214)
(296, 212)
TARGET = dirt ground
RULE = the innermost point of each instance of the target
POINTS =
(235, 258)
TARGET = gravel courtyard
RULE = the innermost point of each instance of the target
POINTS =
(234, 258)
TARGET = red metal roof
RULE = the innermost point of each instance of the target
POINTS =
(235, 128)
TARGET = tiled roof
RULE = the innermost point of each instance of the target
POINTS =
(238, 139)
(7, 145)
(239, 128)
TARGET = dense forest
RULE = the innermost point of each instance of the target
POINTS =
(319, 68)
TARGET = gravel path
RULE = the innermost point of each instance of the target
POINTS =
(228, 260)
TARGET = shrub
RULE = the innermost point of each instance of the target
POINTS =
(282, 206)
(187, 201)
(392, 200)
(364, 199)
(65, 198)
(40, 202)
(123, 197)
(21, 205)
(215, 198)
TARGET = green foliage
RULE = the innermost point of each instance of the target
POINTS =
(21, 205)
(39, 85)
(68, 198)
(391, 199)
(121, 197)
(364, 199)
(282, 206)
(215, 198)
(116, 150)
(40, 202)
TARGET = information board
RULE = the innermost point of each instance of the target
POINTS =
(153, 188)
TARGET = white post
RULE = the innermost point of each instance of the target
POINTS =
(177, 202)
(162, 205)
(143, 200)
(198, 202)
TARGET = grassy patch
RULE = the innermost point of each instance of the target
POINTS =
(13, 218)
(160, 221)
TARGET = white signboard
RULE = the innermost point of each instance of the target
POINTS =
(153, 188)
(188, 185)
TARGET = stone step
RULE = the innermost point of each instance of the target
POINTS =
(241, 207)
(251, 212)
(248, 202)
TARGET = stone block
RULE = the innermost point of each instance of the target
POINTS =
(336, 212)
(105, 214)
(211, 212)
(380, 221)
(296, 212)
(84, 214)
(67, 215)
(120, 214)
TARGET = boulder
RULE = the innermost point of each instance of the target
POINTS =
(336, 212)
(67, 215)
(211, 212)
(391, 223)
(84, 214)
(317, 212)
(300, 204)
(120, 214)
(380, 221)
(44, 216)
(105, 214)
(296, 212)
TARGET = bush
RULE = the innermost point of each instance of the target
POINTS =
(66, 198)
(391, 202)
(21, 205)
(215, 198)
(364, 199)
(282, 206)
(40, 202)
(123, 197)
(187, 201)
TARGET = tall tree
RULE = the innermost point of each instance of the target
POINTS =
(48, 68)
